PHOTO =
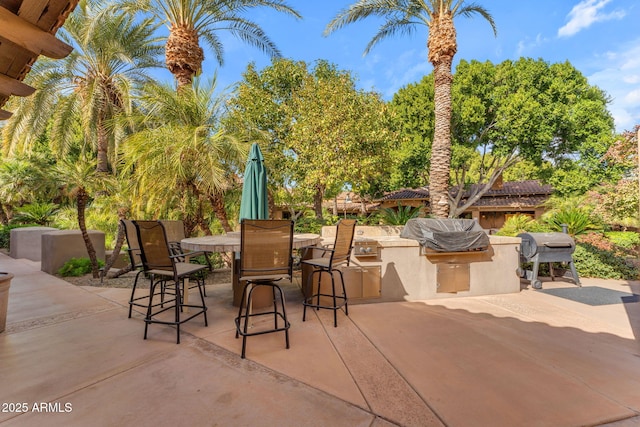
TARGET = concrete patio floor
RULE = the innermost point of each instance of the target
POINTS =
(563, 356)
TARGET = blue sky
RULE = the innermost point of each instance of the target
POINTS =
(601, 38)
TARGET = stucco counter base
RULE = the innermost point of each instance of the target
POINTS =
(409, 274)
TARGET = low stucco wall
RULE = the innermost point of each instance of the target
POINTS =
(26, 242)
(60, 246)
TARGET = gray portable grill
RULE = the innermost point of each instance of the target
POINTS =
(546, 247)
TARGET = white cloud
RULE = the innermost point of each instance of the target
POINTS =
(528, 45)
(631, 79)
(633, 97)
(407, 68)
(619, 76)
(586, 13)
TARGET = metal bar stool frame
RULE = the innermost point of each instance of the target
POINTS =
(339, 254)
(265, 257)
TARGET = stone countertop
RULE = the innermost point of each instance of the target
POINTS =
(388, 236)
(397, 241)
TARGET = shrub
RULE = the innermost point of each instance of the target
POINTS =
(519, 223)
(594, 262)
(308, 224)
(77, 267)
(5, 233)
(578, 220)
(390, 216)
(372, 219)
(624, 239)
(35, 213)
(5, 236)
(597, 240)
(67, 219)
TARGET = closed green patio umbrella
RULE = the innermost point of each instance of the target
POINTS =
(254, 203)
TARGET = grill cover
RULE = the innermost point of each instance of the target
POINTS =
(446, 235)
(549, 245)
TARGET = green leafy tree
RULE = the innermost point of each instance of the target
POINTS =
(616, 203)
(322, 133)
(257, 112)
(413, 119)
(189, 21)
(527, 110)
(338, 136)
(403, 17)
(82, 93)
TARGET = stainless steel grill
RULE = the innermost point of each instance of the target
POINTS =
(446, 235)
(455, 242)
(546, 247)
(365, 247)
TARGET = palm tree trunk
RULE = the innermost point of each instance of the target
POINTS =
(103, 145)
(441, 146)
(190, 223)
(4, 218)
(119, 241)
(83, 197)
(217, 204)
(183, 54)
(202, 223)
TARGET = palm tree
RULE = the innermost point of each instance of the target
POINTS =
(118, 200)
(79, 180)
(190, 20)
(79, 95)
(191, 160)
(402, 17)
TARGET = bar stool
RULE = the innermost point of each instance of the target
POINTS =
(265, 257)
(332, 257)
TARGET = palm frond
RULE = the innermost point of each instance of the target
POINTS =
(391, 28)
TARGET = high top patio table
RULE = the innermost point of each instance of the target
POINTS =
(230, 242)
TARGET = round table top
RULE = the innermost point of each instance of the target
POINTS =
(230, 242)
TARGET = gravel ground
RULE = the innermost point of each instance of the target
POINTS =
(126, 280)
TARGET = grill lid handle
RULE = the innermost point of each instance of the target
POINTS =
(557, 245)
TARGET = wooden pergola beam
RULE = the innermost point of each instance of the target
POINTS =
(30, 37)
(9, 87)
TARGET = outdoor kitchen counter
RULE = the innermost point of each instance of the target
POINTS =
(410, 273)
(389, 241)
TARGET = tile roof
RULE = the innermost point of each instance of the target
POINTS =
(407, 194)
(512, 202)
(512, 188)
(514, 193)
